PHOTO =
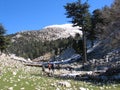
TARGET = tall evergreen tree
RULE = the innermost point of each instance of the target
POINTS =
(3, 40)
(80, 17)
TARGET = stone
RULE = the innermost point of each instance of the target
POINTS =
(82, 88)
(57, 88)
(10, 88)
(64, 83)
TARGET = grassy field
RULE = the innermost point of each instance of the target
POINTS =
(13, 79)
(20, 77)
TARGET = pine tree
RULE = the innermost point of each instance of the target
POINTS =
(80, 17)
(4, 41)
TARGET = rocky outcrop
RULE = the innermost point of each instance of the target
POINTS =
(109, 60)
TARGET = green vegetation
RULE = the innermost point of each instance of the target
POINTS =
(4, 41)
(33, 47)
(31, 78)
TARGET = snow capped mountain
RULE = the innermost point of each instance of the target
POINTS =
(52, 32)
(63, 31)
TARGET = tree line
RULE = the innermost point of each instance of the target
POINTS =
(33, 48)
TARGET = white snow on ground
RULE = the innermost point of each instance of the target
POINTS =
(71, 59)
(67, 53)
(69, 29)
(95, 46)
(68, 56)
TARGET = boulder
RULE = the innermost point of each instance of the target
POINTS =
(82, 88)
(64, 83)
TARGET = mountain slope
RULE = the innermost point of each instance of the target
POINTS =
(49, 33)
(109, 44)
(32, 44)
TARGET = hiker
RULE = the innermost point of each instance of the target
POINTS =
(58, 66)
(49, 66)
(43, 68)
(50, 71)
(53, 67)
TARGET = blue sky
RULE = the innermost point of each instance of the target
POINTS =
(22, 15)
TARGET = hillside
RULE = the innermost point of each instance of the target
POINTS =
(49, 33)
(51, 39)
(110, 43)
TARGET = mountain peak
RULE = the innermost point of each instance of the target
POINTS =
(65, 30)
(66, 27)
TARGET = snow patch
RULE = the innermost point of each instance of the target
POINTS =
(67, 53)
(65, 26)
(93, 48)
(68, 28)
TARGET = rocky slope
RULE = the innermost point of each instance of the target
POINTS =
(107, 53)
(49, 33)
